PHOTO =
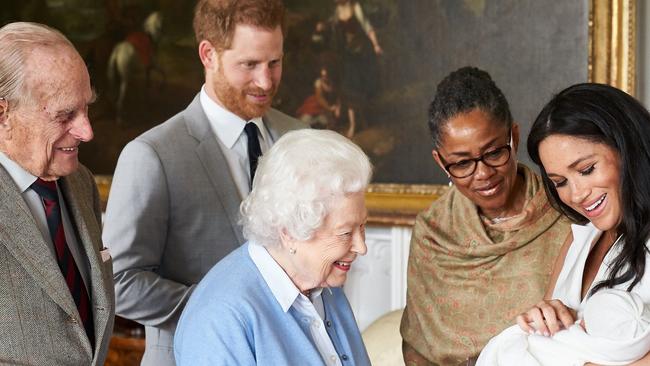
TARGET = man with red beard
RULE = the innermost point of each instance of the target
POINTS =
(174, 203)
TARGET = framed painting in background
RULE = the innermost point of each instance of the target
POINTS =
(141, 58)
(384, 58)
(366, 68)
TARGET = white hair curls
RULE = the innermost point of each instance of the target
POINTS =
(296, 181)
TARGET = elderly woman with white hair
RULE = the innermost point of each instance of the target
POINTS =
(277, 300)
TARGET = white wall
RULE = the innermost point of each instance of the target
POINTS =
(376, 283)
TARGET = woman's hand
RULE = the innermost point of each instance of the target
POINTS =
(547, 317)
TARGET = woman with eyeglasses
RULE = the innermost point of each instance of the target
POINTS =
(483, 252)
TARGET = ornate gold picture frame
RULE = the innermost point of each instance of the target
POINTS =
(611, 61)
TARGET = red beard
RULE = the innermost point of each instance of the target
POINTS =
(235, 100)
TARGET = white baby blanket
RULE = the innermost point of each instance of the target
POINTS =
(617, 333)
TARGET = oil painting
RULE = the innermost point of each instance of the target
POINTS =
(365, 68)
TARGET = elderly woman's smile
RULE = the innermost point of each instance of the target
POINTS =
(305, 221)
(325, 259)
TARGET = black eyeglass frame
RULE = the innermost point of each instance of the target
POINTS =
(476, 160)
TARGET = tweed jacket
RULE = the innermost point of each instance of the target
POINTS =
(40, 324)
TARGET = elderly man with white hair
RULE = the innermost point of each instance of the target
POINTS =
(56, 299)
(277, 300)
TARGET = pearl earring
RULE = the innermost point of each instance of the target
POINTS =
(292, 250)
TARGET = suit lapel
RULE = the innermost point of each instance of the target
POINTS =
(89, 235)
(279, 123)
(22, 238)
(214, 163)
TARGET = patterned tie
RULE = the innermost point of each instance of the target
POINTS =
(50, 197)
(254, 150)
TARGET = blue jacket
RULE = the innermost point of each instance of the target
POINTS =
(232, 318)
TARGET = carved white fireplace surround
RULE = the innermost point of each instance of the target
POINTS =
(376, 282)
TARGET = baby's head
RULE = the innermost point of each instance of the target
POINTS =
(616, 314)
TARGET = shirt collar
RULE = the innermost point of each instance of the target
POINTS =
(20, 176)
(281, 286)
(225, 124)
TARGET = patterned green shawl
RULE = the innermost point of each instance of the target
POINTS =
(465, 283)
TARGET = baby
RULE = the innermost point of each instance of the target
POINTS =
(614, 330)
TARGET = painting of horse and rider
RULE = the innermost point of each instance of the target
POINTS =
(364, 68)
(141, 59)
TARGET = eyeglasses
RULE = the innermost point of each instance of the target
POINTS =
(493, 158)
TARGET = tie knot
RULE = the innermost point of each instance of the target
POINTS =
(250, 129)
(45, 189)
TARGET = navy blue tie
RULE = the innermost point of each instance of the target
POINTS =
(254, 149)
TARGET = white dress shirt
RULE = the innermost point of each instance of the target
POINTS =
(288, 295)
(24, 180)
(229, 130)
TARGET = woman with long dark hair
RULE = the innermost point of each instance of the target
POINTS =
(592, 144)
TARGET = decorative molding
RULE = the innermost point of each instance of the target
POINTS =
(612, 35)
(388, 204)
(612, 43)
(611, 60)
(398, 204)
(376, 283)
(401, 240)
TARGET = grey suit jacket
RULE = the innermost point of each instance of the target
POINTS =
(172, 214)
(40, 324)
